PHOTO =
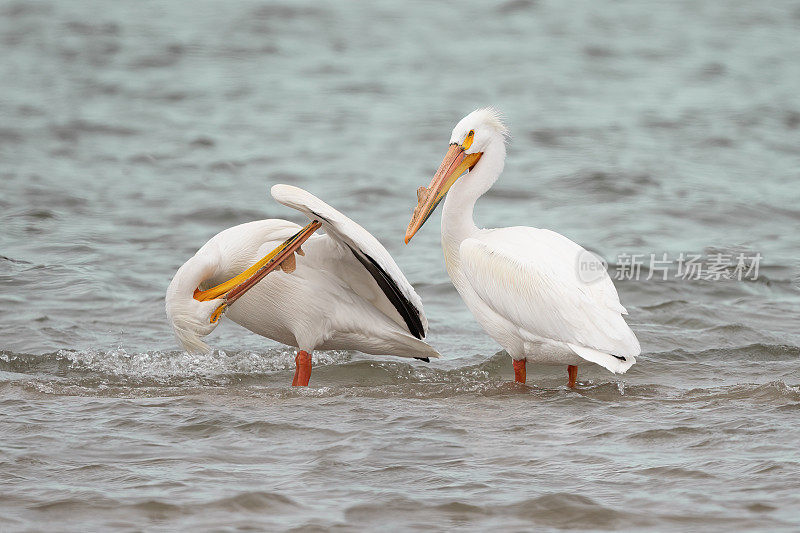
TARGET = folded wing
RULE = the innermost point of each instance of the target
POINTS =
(530, 277)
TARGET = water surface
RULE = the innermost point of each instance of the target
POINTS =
(132, 133)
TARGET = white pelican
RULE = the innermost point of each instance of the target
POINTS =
(344, 293)
(521, 284)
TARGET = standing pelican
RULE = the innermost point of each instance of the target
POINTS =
(344, 293)
(521, 284)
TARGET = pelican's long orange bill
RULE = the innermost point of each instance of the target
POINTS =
(455, 163)
(235, 287)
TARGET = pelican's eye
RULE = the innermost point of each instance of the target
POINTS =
(468, 140)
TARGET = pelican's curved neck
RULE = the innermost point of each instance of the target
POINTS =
(457, 221)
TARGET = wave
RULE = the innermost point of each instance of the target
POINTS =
(158, 367)
(552, 510)
(349, 374)
(105, 508)
(750, 352)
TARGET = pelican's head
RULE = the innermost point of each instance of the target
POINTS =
(190, 318)
(469, 141)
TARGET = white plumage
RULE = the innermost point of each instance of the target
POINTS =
(522, 284)
(529, 277)
(346, 292)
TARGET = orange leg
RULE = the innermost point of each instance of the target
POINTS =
(519, 370)
(572, 371)
(303, 371)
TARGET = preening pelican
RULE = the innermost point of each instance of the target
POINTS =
(345, 292)
(521, 284)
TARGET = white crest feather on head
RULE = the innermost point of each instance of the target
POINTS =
(190, 318)
(190, 340)
(489, 117)
(492, 117)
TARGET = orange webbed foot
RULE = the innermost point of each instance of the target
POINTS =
(572, 372)
(302, 372)
(519, 371)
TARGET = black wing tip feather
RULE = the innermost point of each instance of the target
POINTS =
(407, 310)
(426, 359)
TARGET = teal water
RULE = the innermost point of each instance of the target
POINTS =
(131, 133)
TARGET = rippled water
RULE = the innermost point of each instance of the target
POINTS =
(131, 133)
